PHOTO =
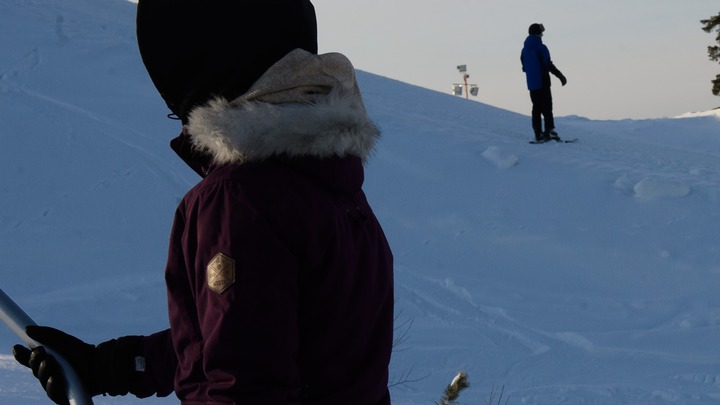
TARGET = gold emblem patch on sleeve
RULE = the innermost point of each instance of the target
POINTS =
(220, 273)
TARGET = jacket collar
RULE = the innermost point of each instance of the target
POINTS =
(533, 40)
(197, 160)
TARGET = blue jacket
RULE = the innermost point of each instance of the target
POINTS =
(535, 58)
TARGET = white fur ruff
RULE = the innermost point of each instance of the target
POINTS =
(244, 131)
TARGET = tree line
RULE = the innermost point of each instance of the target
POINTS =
(713, 23)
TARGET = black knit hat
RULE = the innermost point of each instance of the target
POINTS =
(195, 50)
(536, 29)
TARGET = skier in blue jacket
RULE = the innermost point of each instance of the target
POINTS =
(536, 63)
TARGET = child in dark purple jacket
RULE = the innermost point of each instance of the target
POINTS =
(279, 276)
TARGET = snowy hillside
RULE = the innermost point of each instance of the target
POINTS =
(583, 273)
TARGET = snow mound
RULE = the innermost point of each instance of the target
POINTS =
(711, 113)
(494, 155)
(651, 188)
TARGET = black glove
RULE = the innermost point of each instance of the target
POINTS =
(563, 80)
(106, 368)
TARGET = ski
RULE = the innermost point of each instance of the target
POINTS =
(16, 319)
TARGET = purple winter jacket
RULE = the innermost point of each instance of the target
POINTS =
(279, 276)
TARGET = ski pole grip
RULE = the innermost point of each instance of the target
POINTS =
(17, 320)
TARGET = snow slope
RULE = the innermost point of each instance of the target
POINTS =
(583, 273)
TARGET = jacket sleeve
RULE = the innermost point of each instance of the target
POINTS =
(155, 373)
(237, 324)
(549, 65)
(555, 71)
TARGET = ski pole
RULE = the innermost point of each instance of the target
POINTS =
(16, 319)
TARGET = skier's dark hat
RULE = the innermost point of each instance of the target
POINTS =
(536, 29)
(198, 49)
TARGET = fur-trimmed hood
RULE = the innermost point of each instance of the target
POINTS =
(304, 105)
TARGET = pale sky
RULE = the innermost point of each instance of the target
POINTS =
(622, 58)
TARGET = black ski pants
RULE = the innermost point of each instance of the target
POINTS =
(542, 107)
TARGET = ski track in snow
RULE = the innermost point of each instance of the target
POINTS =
(635, 169)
